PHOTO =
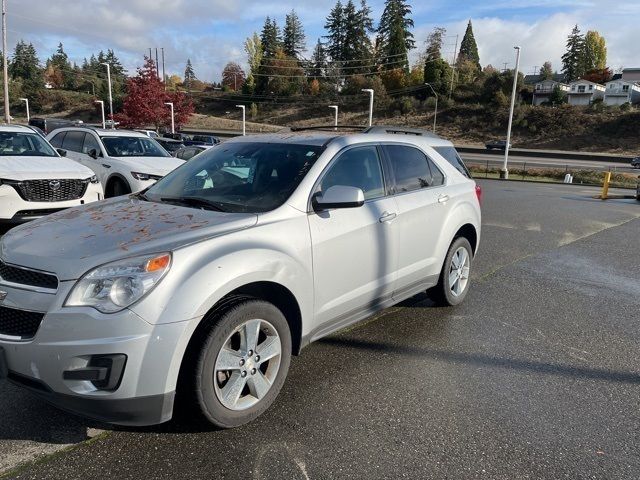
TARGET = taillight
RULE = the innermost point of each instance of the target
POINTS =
(479, 194)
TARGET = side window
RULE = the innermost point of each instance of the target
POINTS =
(411, 169)
(451, 155)
(57, 140)
(73, 141)
(437, 177)
(357, 167)
(90, 143)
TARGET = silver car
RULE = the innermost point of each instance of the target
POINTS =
(208, 281)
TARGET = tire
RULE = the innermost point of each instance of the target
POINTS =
(117, 188)
(214, 385)
(444, 293)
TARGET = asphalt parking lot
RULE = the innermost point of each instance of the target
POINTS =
(536, 376)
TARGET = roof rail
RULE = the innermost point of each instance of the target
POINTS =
(328, 127)
(400, 130)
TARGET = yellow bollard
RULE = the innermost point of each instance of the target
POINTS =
(605, 185)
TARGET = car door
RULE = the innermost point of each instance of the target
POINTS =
(422, 208)
(99, 164)
(354, 249)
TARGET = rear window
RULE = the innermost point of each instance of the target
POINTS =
(451, 155)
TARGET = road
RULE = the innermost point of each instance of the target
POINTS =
(536, 376)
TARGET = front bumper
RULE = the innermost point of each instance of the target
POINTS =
(14, 209)
(69, 338)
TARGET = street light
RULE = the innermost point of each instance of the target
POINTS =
(435, 113)
(26, 101)
(173, 125)
(370, 92)
(244, 119)
(335, 108)
(104, 125)
(504, 173)
(110, 94)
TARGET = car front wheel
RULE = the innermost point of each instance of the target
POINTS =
(243, 363)
(453, 284)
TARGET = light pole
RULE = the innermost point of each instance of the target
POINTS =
(435, 113)
(370, 92)
(26, 101)
(104, 125)
(5, 68)
(244, 119)
(335, 108)
(173, 125)
(110, 94)
(504, 174)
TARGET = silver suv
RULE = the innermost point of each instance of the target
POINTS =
(207, 282)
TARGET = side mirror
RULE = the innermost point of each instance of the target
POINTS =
(338, 196)
(93, 153)
(62, 152)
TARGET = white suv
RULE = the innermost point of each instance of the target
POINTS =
(36, 180)
(124, 161)
(207, 282)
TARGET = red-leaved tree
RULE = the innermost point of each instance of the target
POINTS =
(145, 102)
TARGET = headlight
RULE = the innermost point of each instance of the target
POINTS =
(94, 179)
(115, 286)
(145, 176)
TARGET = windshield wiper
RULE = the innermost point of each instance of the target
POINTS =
(194, 202)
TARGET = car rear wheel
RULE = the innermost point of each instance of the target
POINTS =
(117, 188)
(243, 363)
(453, 284)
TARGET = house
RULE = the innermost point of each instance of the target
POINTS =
(631, 74)
(543, 90)
(619, 92)
(584, 92)
(533, 79)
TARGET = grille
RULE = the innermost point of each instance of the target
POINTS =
(19, 323)
(27, 277)
(51, 190)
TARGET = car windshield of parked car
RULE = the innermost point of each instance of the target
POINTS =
(123, 146)
(237, 177)
(25, 145)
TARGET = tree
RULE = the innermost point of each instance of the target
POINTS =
(573, 59)
(395, 39)
(434, 43)
(189, 75)
(318, 61)
(599, 75)
(335, 27)
(144, 104)
(233, 76)
(172, 82)
(358, 25)
(437, 71)
(546, 72)
(469, 48)
(557, 96)
(270, 38)
(595, 52)
(25, 66)
(253, 48)
(61, 70)
(294, 40)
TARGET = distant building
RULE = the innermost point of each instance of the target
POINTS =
(584, 92)
(533, 79)
(619, 92)
(631, 74)
(543, 90)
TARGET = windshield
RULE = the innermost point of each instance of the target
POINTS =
(238, 177)
(133, 147)
(25, 145)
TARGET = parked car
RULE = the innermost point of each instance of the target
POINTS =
(171, 146)
(497, 145)
(150, 133)
(176, 136)
(187, 153)
(48, 125)
(205, 140)
(635, 163)
(36, 180)
(124, 161)
(208, 281)
(638, 190)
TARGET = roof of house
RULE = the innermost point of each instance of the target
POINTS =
(582, 80)
(531, 79)
(635, 69)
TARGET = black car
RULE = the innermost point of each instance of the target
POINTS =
(188, 152)
(635, 163)
(497, 145)
(48, 125)
(205, 140)
(169, 144)
(638, 190)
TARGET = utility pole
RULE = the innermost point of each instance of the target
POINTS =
(504, 173)
(505, 66)
(164, 78)
(5, 69)
(371, 93)
(157, 67)
(110, 93)
(150, 57)
(435, 113)
(453, 73)
(335, 108)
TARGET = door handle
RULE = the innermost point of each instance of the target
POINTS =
(387, 217)
(443, 198)
(106, 166)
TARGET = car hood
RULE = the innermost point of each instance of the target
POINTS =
(41, 168)
(71, 242)
(152, 165)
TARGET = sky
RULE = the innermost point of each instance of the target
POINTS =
(212, 32)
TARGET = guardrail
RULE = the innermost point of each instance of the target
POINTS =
(554, 154)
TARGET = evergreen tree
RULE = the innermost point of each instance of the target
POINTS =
(335, 27)
(117, 70)
(573, 59)
(437, 72)
(270, 38)
(318, 61)
(294, 40)
(546, 72)
(62, 68)
(469, 48)
(358, 24)
(434, 43)
(26, 66)
(189, 75)
(394, 35)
